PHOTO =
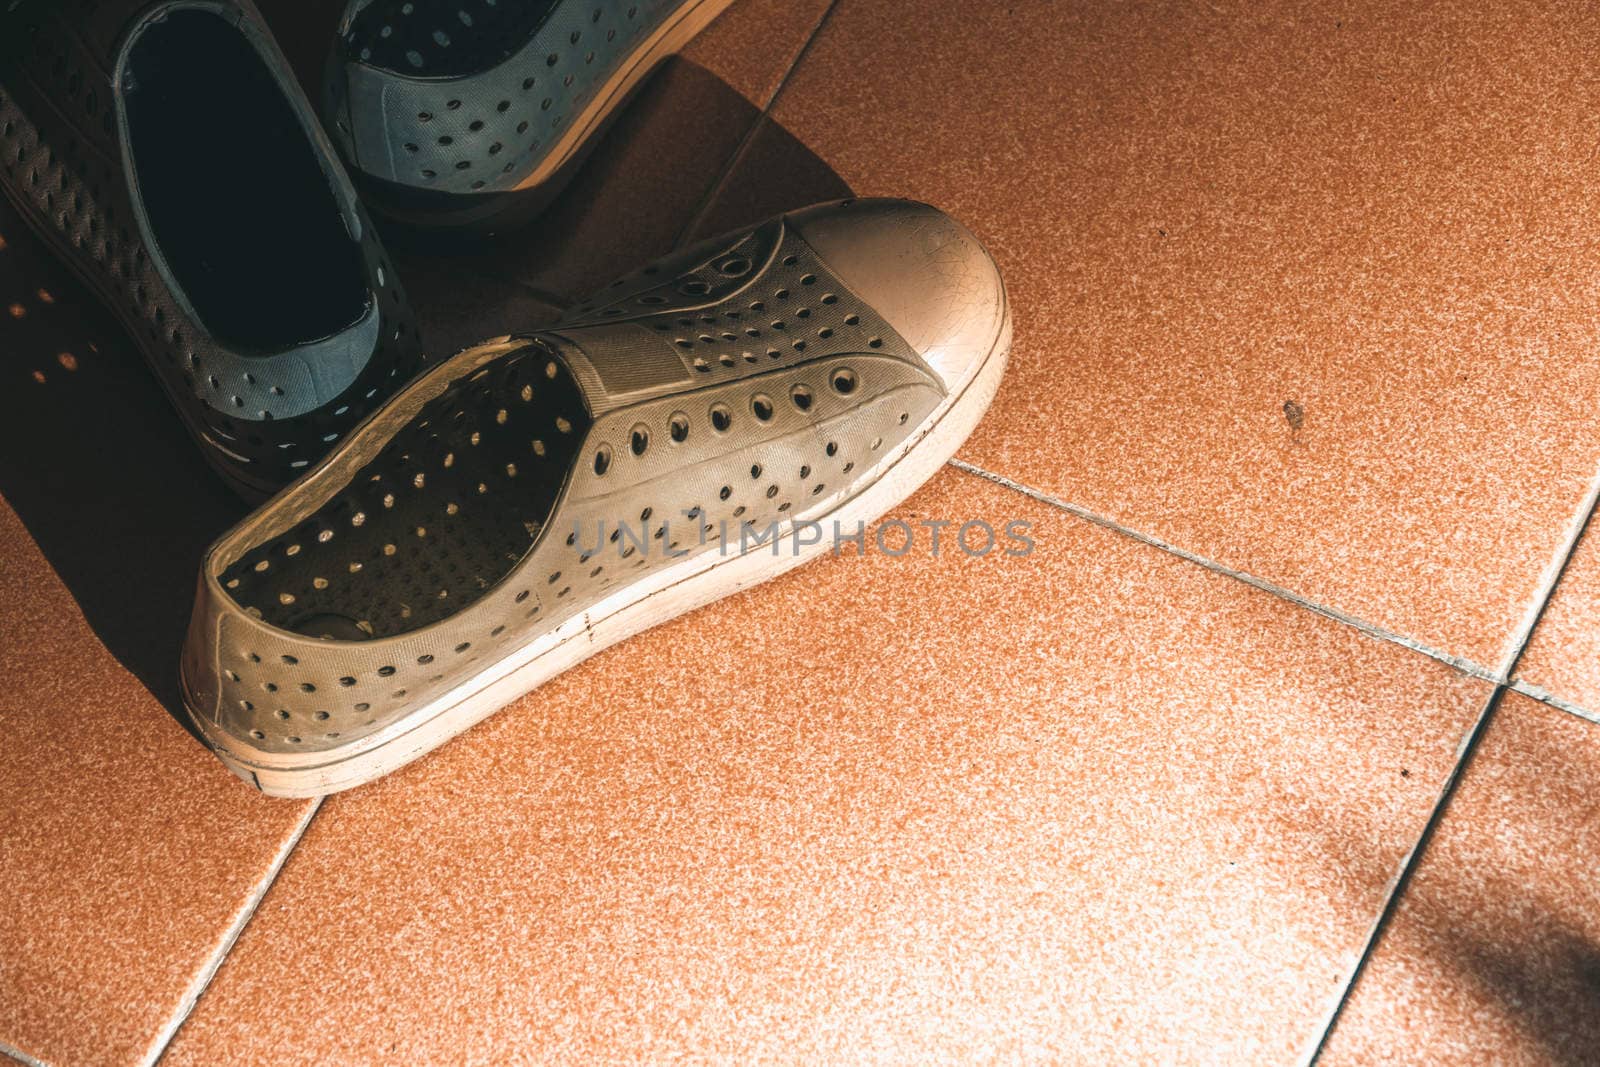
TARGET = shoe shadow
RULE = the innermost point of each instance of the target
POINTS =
(111, 487)
(98, 467)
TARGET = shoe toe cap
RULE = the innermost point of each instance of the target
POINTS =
(921, 270)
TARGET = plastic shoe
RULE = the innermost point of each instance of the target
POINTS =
(535, 499)
(475, 113)
(165, 153)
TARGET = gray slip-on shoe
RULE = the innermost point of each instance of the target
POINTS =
(535, 499)
(473, 114)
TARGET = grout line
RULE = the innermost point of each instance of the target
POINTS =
(202, 981)
(1553, 572)
(1461, 664)
(1395, 892)
(713, 194)
(1397, 888)
(1543, 695)
(1552, 577)
(17, 1054)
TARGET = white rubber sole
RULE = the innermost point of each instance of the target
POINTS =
(668, 39)
(660, 597)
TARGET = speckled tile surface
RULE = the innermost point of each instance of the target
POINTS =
(1494, 953)
(1092, 802)
(1298, 287)
(126, 851)
(1563, 656)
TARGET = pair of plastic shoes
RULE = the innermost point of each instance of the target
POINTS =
(504, 514)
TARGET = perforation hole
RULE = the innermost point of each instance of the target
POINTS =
(639, 439)
(721, 418)
(801, 397)
(843, 381)
(761, 406)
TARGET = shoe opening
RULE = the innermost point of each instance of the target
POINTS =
(447, 508)
(234, 190)
(445, 38)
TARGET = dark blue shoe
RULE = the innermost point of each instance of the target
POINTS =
(164, 151)
(475, 113)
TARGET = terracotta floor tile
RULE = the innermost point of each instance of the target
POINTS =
(1298, 288)
(1563, 657)
(1092, 802)
(1493, 955)
(126, 851)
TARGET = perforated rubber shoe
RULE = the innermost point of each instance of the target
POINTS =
(164, 152)
(535, 499)
(474, 114)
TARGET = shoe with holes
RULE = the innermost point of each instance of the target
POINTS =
(164, 151)
(535, 499)
(473, 114)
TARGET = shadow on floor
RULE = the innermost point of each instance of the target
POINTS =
(1468, 928)
(111, 487)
